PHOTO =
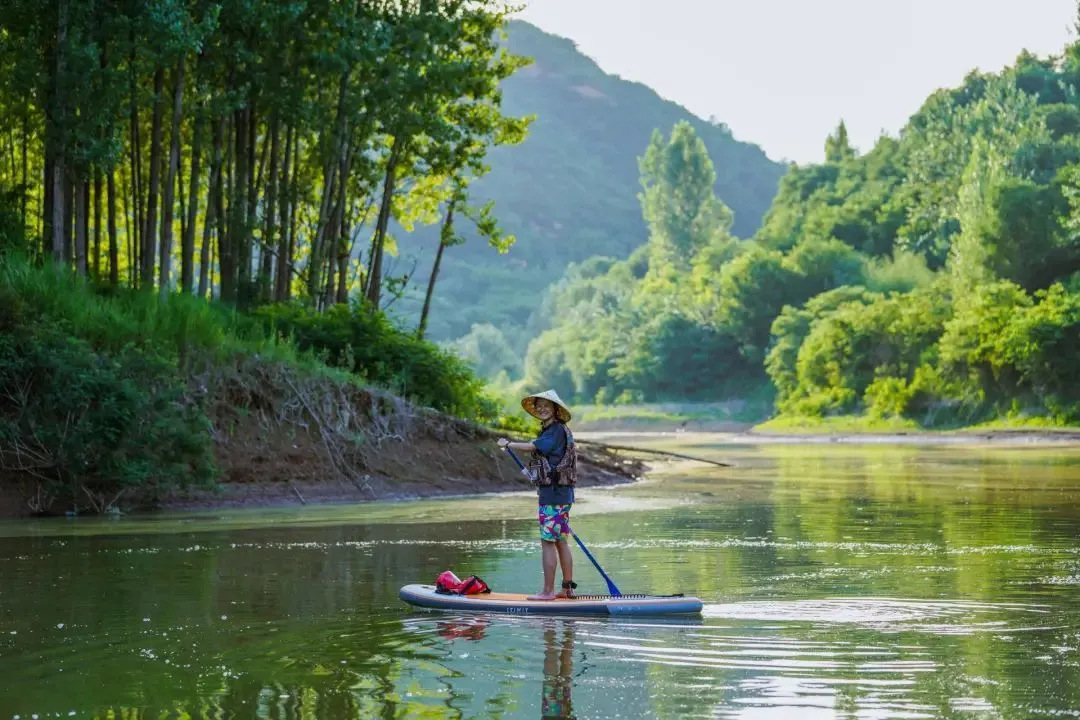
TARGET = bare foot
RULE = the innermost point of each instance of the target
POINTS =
(542, 596)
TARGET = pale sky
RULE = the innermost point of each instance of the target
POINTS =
(783, 73)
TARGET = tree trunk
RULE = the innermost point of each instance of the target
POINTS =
(374, 287)
(247, 247)
(99, 220)
(342, 222)
(98, 229)
(284, 258)
(325, 219)
(114, 251)
(181, 202)
(130, 227)
(231, 248)
(294, 201)
(165, 274)
(47, 203)
(150, 232)
(266, 274)
(447, 232)
(25, 165)
(187, 260)
(333, 247)
(14, 170)
(56, 137)
(213, 196)
(85, 187)
(134, 234)
(224, 243)
(326, 208)
(69, 219)
(56, 222)
(78, 192)
(344, 255)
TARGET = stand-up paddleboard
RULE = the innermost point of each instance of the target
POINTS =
(425, 596)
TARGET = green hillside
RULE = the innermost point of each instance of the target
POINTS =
(570, 190)
(933, 281)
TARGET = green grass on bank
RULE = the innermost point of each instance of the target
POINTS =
(175, 326)
(1040, 424)
(856, 424)
(706, 416)
(837, 424)
(670, 414)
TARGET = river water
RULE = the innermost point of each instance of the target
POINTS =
(838, 582)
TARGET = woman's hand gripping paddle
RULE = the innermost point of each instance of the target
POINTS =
(610, 584)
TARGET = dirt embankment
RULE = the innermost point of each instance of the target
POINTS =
(280, 438)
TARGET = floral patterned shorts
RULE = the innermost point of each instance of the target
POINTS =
(554, 522)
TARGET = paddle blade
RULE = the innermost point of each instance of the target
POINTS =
(610, 583)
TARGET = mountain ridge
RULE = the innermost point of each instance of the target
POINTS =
(569, 191)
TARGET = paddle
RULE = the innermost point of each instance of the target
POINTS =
(612, 588)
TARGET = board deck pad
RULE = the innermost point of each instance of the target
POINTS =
(523, 597)
(519, 603)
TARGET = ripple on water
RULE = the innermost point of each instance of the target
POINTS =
(880, 613)
(743, 669)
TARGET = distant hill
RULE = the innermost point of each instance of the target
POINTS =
(570, 190)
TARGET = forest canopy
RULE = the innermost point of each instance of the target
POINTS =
(192, 190)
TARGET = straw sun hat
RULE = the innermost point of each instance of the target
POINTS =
(562, 412)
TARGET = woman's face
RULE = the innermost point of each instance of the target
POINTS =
(545, 409)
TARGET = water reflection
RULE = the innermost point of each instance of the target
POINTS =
(837, 582)
(556, 701)
(557, 671)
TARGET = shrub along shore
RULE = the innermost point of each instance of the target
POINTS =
(118, 399)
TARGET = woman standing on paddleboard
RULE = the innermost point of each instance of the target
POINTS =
(554, 469)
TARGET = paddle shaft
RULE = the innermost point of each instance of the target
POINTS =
(612, 588)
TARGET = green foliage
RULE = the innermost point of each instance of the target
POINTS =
(176, 327)
(370, 346)
(689, 316)
(791, 328)
(12, 230)
(1004, 345)
(675, 358)
(888, 396)
(838, 146)
(847, 349)
(750, 291)
(86, 419)
(94, 398)
(903, 272)
(931, 280)
(485, 349)
(678, 202)
(99, 422)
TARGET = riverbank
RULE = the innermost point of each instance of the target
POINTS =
(283, 439)
(118, 400)
(1000, 437)
(750, 422)
(414, 454)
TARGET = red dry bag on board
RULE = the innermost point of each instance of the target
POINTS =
(448, 584)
